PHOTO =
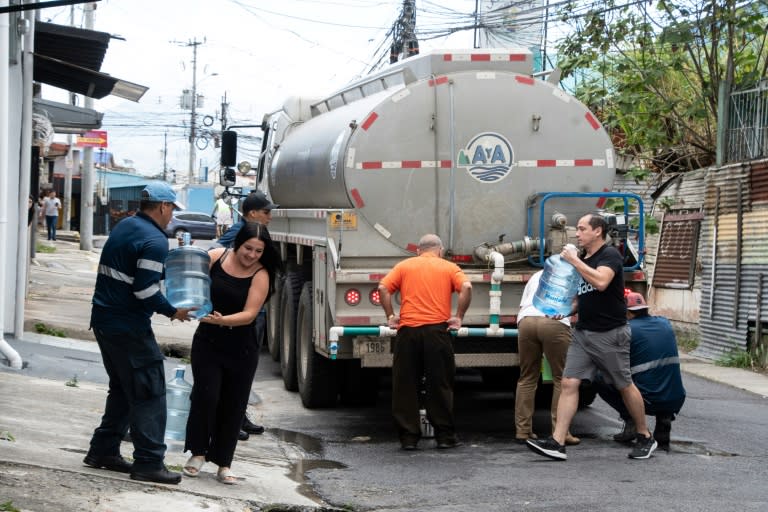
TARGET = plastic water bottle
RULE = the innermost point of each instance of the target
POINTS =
(187, 282)
(558, 285)
(177, 398)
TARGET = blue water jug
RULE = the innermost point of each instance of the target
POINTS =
(558, 285)
(187, 283)
(177, 399)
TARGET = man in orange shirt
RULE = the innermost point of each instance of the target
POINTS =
(423, 346)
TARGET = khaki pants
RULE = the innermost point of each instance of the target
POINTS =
(537, 335)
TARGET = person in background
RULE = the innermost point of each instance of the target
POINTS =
(537, 335)
(655, 367)
(126, 295)
(51, 205)
(225, 349)
(423, 346)
(600, 339)
(222, 214)
(256, 208)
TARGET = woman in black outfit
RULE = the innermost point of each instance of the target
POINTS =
(225, 349)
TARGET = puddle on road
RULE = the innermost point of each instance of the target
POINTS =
(312, 446)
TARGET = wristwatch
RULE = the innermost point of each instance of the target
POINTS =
(390, 317)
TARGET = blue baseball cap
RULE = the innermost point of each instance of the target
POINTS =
(160, 192)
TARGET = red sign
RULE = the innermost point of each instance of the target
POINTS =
(94, 139)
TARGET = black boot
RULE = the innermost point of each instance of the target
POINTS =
(663, 430)
(243, 436)
(628, 433)
(251, 427)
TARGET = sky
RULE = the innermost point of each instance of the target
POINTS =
(257, 52)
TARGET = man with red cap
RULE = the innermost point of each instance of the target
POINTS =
(655, 367)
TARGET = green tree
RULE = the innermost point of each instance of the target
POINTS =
(652, 74)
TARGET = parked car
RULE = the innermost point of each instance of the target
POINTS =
(199, 225)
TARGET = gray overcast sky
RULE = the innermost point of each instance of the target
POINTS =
(257, 51)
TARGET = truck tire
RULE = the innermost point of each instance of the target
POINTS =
(501, 378)
(289, 300)
(273, 318)
(587, 394)
(316, 374)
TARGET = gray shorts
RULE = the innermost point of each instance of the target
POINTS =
(606, 351)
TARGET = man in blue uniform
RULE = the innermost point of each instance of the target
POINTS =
(655, 367)
(126, 296)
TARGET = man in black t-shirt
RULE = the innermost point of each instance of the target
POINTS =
(601, 339)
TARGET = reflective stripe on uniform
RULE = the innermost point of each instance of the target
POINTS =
(654, 364)
(155, 266)
(115, 274)
(147, 292)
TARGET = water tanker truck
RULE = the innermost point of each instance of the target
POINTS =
(466, 144)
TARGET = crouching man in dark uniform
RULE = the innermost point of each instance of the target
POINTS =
(655, 367)
(127, 293)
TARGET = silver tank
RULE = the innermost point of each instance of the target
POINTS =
(453, 143)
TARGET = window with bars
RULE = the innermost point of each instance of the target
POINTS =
(676, 256)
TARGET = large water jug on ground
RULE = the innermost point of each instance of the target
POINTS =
(558, 285)
(177, 399)
(187, 282)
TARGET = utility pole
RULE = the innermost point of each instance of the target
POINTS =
(165, 156)
(86, 181)
(69, 160)
(193, 117)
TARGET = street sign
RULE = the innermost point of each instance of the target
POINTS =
(92, 139)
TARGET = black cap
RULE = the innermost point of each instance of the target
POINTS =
(257, 201)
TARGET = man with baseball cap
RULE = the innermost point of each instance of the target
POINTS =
(126, 295)
(655, 367)
(256, 208)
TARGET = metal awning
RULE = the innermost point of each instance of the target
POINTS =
(68, 118)
(70, 58)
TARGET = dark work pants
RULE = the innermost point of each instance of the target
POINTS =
(136, 397)
(612, 397)
(219, 397)
(423, 351)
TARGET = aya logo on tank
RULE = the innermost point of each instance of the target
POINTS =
(488, 157)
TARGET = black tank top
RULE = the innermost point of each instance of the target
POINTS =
(228, 296)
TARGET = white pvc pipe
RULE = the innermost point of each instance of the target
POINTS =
(25, 164)
(5, 348)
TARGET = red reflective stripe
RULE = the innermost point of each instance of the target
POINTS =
(601, 202)
(546, 163)
(446, 164)
(376, 277)
(371, 165)
(517, 57)
(415, 164)
(447, 57)
(438, 81)
(582, 163)
(411, 247)
(357, 198)
(592, 120)
(524, 80)
(479, 57)
(369, 121)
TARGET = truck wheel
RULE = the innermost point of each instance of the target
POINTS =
(273, 318)
(500, 378)
(289, 300)
(359, 386)
(587, 394)
(316, 374)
